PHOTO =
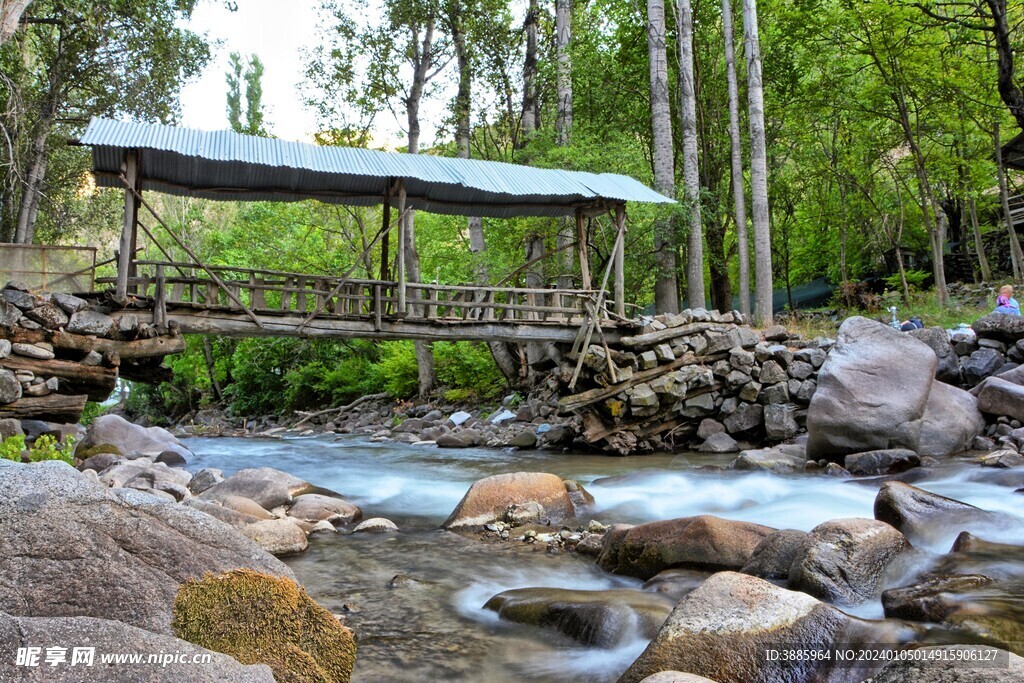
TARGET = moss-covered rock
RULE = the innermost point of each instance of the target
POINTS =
(262, 619)
(86, 452)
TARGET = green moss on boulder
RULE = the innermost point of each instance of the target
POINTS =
(261, 619)
(84, 453)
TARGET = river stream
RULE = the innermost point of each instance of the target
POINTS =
(431, 626)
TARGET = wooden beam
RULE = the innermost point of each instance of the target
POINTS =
(75, 378)
(620, 260)
(386, 225)
(402, 277)
(131, 214)
(52, 408)
(581, 242)
(235, 324)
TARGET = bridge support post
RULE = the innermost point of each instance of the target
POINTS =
(581, 246)
(400, 266)
(126, 253)
(620, 253)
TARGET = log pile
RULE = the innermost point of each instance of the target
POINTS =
(58, 351)
(700, 379)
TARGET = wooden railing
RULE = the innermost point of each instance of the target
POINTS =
(277, 292)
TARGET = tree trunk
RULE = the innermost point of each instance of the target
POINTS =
(1016, 257)
(695, 296)
(211, 369)
(979, 246)
(666, 287)
(736, 158)
(29, 206)
(563, 68)
(10, 14)
(531, 114)
(1009, 91)
(422, 58)
(758, 169)
(477, 242)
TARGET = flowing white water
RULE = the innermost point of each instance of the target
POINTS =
(437, 629)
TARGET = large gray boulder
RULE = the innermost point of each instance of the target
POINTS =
(872, 392)
(267, 487)
(937, 339)
(773, 557)
(112, 637)
(130, 438)
(75, 548)
(997, 396)
(490, 499)
(703, 542)
(951, 421)
(1006, 328)
(844, 560)
(723, 629)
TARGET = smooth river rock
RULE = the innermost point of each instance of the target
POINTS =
(929, 517)
(267, 487)
(75, 548)
(844, 560)
(315, 507)
(277, 536)
(130, 438)
(872, 392)
(773, 557)
(951, 421)
(703, 542)
(723, 629)
(489, 499)
(601, 618)
(997, 396)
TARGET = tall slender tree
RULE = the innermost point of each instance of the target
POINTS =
(563, 128)
(666, 286)
(763, 312)
(531, 108)
(691, 171)
(736, 160)
(10, 15)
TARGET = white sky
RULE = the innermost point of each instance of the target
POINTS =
(277, 31)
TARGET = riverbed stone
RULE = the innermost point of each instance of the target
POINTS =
(936, 664)
(932, 599)
(129, 437)
(746, 417)
(602, 618)
(927, 516)
(780, 421)
(204, 479)
(719, 442)
(723, 629)
(9, 314)
(983, 363)
(376, 525)
(33, 351)
(702, 542)
(488, 499)
(266, 486)
(1003, 459)
(778, 459)
(887, 461)
(120, 553)
(951, 421)
(676, 677)
(316, 507)
(774, 555)
(108, 636)
(843, 560)
(709, 426)
(277, 536)
(772, 373)
(997, 397)
(872, 391)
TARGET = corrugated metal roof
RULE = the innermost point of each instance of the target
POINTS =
(227, 165)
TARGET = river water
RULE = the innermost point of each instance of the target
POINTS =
(433, 627)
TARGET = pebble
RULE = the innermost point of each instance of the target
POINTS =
(32, 351)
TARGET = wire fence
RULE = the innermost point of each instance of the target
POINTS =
(48, 267)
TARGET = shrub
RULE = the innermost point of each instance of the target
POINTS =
(45, 447)
(261, 619)
(397, 371)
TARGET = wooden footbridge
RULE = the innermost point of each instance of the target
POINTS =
(198, 298)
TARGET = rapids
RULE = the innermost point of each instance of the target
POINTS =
(431, 625)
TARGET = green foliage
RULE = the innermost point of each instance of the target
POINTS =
(91, 412)
(12, 447)
(915, 279)
(45, 447)
(397, 369)
(468, 365)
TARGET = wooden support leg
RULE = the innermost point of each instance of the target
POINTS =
(402, 218)
(620, 254)
(131, 214)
